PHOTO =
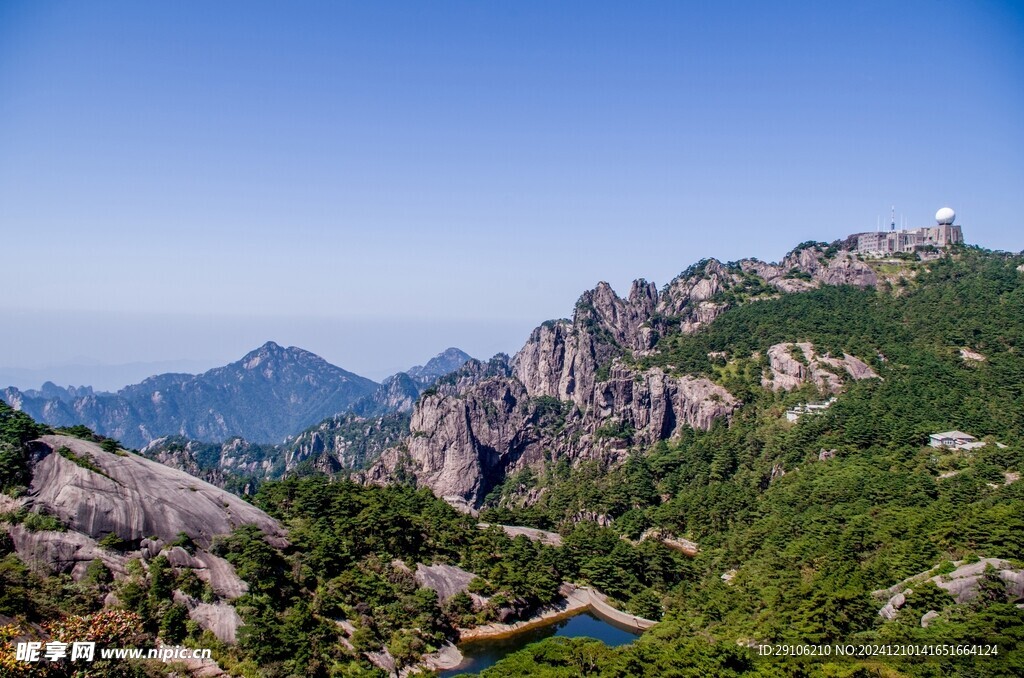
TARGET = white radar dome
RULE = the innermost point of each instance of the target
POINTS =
(945, 216)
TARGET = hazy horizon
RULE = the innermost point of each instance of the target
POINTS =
(375, 348)
(181, 183)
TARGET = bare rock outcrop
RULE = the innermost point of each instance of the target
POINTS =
(66, 552)
(220, 619)
(845, 269)
(460, 443)
(894, 604)
(809, 267)
(98, 493)
(561, 361)
(463, 442)
(656, 405)
(477, 427)
(699, 283)
(94, 494)
(792, 365)
(445, 580)
(703, 313)
(533, 534)
(970, 356)
(783, 278)
(963, 584)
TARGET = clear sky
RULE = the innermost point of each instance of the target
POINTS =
(377, 181)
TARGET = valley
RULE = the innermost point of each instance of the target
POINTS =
(642, 447)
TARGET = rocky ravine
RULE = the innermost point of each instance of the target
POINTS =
(147, 505)
(571, 391)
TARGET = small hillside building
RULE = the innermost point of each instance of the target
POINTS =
(956, 440)
(795, 413)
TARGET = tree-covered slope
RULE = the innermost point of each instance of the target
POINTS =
(801, 528)
(807, 520)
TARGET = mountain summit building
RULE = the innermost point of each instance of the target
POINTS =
(943, 234)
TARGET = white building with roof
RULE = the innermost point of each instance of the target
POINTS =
(943, 234)
(794, 414)
(956, 440)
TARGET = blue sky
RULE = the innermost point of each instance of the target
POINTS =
(377, 181)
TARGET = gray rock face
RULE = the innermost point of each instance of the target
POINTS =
(845, 269)
(462, 442)
(220, 619)
(398, 393)
(345, 441)
(810, 267)
(657, 405)
(963, 584)
(134, 497)
(704, 313)
(787, 372)
(217, 462)
(893, 606)
(697, 284)
(487, 421)
(458, 443)
(481, 425)
(778, 276)
(445, 580)
(67, 552)
(96, 493)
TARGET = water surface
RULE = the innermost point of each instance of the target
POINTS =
(481, 654)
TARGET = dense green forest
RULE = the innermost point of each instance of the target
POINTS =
(808, 547)
(803, 537)
(352, 556)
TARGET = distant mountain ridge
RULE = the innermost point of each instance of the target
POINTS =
(343, 442)
(270, 393)
(441, 364)
(399, 392)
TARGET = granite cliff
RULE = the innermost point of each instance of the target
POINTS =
(117, 507)
(576, 390)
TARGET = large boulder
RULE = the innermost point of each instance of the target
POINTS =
(98, 493)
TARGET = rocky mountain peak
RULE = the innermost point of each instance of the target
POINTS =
(481, 424)
(269, 393)
(643, 294)
(273, 354)
(443, 363)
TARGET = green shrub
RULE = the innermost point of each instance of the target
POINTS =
(112, 541)
(172, 625)
(39, 522)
